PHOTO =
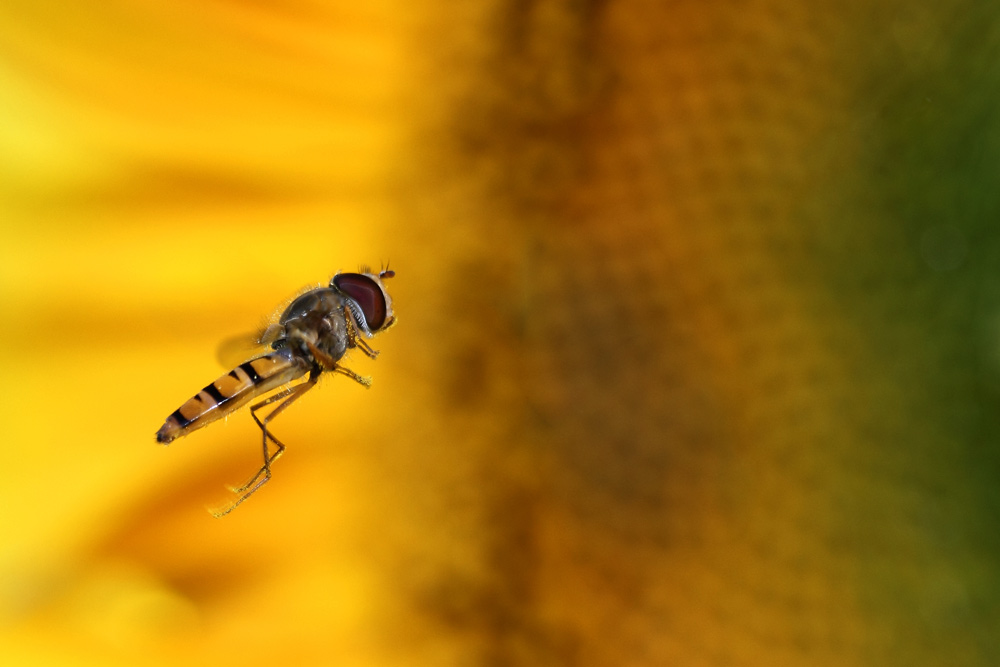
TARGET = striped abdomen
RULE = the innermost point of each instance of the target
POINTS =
(231, 391)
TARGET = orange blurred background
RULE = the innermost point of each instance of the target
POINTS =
(698, 349)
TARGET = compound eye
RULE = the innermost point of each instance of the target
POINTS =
(367, 294)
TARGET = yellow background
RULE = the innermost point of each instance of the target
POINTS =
(698, 354)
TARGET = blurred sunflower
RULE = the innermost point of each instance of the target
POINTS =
(697, 350)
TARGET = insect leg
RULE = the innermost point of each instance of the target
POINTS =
(363, 380)
(268, 458)
(352, 335)
(289, 395)
(360, 342)
(330, 364)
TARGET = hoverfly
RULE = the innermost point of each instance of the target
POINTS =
(310, 337)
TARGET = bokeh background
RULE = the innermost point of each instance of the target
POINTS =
(698, 355)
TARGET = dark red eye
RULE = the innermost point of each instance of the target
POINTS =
(367, 293)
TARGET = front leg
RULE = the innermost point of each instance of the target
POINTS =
(353, 339)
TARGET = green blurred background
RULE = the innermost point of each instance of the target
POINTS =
(698, 346)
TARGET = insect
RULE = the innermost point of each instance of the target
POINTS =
(310, 337)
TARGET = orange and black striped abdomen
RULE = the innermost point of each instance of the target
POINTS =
(230, 392)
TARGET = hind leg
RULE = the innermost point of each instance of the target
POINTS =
(287, 397)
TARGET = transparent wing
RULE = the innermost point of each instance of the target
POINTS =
(234, 350)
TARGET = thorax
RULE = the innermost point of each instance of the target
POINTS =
(317, 317)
